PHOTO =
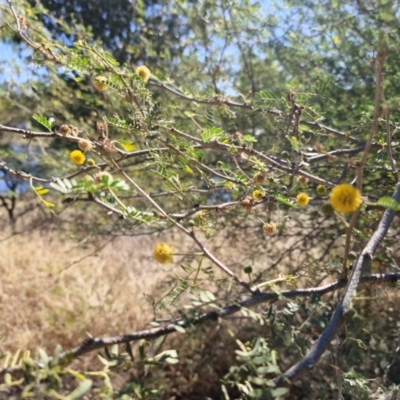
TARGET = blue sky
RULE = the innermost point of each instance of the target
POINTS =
(9, 59)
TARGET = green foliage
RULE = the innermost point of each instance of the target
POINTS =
(388, 202)
(257, 364)
(44, 121)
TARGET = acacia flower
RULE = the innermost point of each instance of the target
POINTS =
(74, 131)
(302, 180)
(85, 145)
(257, 195)
(77, 157)
(269, 228)
(143, 72)
(327, 209)
(247, 203)
(100, 175)
(321, 190)
(259, 178)
(332, 159)
(345, 198)
(64, 129)
(302, 199)
(100, 83)
(163, 253)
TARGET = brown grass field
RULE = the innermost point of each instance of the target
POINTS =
(59, 288)
(54, 291)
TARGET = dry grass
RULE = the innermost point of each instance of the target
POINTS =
(44, 300)
(54, 290)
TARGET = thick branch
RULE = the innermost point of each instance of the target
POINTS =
(363, 260)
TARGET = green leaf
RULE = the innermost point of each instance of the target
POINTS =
(115, 349)
(170, 360)
(103, 360)
(8, 379)
(285, 201)
(388, 202)
(294, 143)
(81, 390)
(120, 123)
(127, 145)
(279, 392)
(44, 358)
(212, 133)
(56, 355)
(190, 114)
(48, 204)
(225, 392)
(41, 190)
(188, 169)
(268, 370)
(15, 358)
(206, 296)
(269, 96)
(249, 139)
(61, 185)
(257, 380)
(167, 353)
(179, 329)
(43, 121)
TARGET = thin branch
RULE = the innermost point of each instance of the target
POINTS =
(222, 266)
(325, 128)
(361, 166)
(15, 16)
(337, 152)
(215, 100)
(382, 54)
(219, 100)
(336, 354)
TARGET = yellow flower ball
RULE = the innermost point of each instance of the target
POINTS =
(321, 190)
(257, 195)
(77, 157)
(327, 209)
(143, 72)
(376, 264)
(302, 199)
(345, 198)
(163, 253)
(100, 83)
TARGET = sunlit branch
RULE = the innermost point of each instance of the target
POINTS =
(324, 128)
(337, 152)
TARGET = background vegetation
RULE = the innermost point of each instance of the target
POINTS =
(246, 106)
